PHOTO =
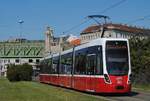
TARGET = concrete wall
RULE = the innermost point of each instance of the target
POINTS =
(5, 61)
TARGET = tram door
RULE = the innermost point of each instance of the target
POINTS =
(91, 65)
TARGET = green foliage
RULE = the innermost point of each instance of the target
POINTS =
(19, 72)
(140, 60)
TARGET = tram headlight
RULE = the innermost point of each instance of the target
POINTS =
(107, 80)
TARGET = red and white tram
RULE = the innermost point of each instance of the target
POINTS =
(100, 66)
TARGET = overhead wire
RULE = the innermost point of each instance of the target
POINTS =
(103, 11)
(76, 26)
(113, 6)
(139, 19)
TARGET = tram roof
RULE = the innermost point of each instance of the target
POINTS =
(99, 41)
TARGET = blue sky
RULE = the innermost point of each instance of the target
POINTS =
(62, 15)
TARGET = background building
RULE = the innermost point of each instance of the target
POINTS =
(55, 44)
(19, 51)
(113, 31)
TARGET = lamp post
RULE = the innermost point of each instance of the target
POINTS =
(20, 27)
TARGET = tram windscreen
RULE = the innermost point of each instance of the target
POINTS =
(117, 57)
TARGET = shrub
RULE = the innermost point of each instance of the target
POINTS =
(19, 72)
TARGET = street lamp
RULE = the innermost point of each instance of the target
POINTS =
(20, 25)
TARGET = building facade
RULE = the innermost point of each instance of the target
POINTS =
(55, 44)
(113, 31)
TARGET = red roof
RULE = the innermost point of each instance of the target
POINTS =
(110, 26)
(91, 29)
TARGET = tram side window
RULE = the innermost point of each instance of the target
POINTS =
(94, 61)
(55, 66)
(46, 68)
(91, 64)
(62, 70)
(80, 62)
(49, 65)
(41, 67)
(66, 64)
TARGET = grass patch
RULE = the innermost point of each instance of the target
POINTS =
(142, 87)
(32, 91)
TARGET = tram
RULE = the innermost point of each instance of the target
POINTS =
(100, 66)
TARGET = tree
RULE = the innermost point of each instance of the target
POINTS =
(140, 60)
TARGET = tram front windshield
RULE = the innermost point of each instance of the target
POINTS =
(117, 58)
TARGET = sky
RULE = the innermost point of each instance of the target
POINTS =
(62, 15)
